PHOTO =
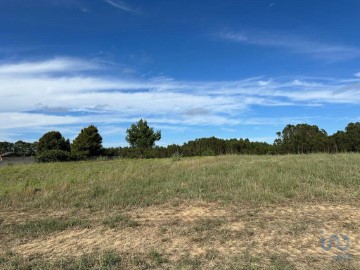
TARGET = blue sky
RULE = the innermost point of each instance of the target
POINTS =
(225, 68)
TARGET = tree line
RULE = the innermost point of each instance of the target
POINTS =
(293, 139)
(19, 148)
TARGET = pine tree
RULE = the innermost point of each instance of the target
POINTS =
(88, 143)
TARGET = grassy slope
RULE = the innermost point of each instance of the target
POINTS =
(45, 206)
(232, 179)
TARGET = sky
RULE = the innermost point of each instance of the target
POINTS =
(191, 68)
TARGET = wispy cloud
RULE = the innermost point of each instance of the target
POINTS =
(67, 92)
(121, 5)
(9, 120)
(47, 66)
(295, 44)
(357, 74)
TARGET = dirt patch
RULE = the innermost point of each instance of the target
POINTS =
(304, 233)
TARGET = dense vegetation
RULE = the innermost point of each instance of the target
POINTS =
(20, 148)
(293, 139)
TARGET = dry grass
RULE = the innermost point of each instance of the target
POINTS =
(209, 234)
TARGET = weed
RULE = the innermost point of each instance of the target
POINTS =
(157, 257)
(120, 221)
(176, 156)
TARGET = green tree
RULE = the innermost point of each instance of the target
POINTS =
(339, 142)
(6, 147)
(353, 136)
(52, 147)
(24, 149)
(88, 143)
(53, 140)
(140, 135)
(301, 139)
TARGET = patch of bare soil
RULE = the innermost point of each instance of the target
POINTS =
(306, 235)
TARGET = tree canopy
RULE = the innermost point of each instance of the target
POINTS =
(353, 136)
(293, 139)
(140, 135)
(88, 142)
(301, 139)
(53, 140)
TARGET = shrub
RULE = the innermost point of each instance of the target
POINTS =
(53, 156)
(78, 155)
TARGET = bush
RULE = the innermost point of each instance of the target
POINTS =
(79, 155)
(53, 156)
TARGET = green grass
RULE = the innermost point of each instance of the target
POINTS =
(157, 257)
(37, 201)
(229, 179)
(121, 221)
(108, 260)
(37, 228)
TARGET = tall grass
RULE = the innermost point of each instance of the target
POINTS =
(228, 179)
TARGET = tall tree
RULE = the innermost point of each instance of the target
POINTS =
(53, 140)
(52, 147)
(339, 142)
(353, 136)
(140, 135)
(301, 139)
(88, 143)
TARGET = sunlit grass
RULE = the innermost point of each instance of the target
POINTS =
(54, 206)
(227, 179)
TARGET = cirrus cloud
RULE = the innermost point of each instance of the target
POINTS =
(295, 44)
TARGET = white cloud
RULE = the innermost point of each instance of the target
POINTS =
(264, 83)
(54, 93)
(357, 75)
(121, 5)
(26, 120)
(296, 44)
(269, 139)
(48, 66)
(234, 36)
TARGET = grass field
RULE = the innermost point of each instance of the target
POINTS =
(228, 212)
